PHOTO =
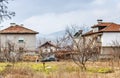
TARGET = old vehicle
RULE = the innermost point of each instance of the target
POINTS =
(49, 59)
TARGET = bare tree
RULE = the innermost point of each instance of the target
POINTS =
(11, 53)
(40, 42)
(63, 47)
(116, 50)
(84, 48)
(4, 13)
(62, 41)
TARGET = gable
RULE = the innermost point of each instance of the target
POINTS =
(47, 44)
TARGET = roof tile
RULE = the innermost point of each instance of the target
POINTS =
(17, 29)
(109, 27)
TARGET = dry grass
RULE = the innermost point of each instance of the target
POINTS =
(64, 70)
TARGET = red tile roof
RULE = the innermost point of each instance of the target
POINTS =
(17, 29)
(109, 27)
(47, 44)
(102, 24)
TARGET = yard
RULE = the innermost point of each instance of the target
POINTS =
(63, 69)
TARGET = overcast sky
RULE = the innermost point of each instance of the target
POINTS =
(48, 16)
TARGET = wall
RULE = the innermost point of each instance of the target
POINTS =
(109, 52)
(95, 29)
(48, 49)
(108, 38)
(29, 40)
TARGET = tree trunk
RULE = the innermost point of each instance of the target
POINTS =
(83, 67)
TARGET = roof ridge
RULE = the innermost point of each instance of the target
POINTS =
(102, 24)
(47, 42)
(25, 28)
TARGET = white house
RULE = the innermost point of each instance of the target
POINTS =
(17, 37)
(47, 49)
(107, 36)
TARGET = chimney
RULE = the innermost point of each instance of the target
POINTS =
(22, 25)
(80, 31)
(12, 24)
(49, 41)
(99, 21)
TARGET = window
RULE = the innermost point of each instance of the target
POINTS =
(21, 40)
(95, 29)
(98, 39)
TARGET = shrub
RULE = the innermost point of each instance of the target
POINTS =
(17, 70)
(105, 70)
(100, 70)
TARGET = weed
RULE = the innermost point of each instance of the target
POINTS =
(100, 70)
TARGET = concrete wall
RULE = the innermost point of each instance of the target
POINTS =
(48, 49)
(107, 52)
(29, 40)
(108, 38)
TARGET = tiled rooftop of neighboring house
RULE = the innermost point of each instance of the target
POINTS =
(108, 27)
(103, 24)
(48, 43)
(17, 29)
(112, 28)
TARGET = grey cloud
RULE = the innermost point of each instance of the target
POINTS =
(27, 8)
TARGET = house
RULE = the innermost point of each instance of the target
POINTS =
(64, 52)
(17, 38)
(47, 49)
(106, 34)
